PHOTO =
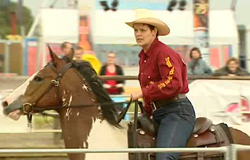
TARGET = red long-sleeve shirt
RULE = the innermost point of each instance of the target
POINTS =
(162, 73)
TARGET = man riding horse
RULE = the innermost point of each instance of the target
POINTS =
(163, 81)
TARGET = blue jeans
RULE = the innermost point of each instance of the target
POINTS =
(176, 122)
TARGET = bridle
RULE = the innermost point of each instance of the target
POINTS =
(28, 108)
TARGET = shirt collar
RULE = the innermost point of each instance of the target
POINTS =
(152, 46)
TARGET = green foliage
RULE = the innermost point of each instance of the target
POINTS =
(5, 19)
(43, 122)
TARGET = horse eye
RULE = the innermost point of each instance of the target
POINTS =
(38, 79)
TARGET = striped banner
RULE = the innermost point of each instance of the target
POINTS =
(201, 27)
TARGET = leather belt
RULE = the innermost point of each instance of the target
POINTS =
(161, 103)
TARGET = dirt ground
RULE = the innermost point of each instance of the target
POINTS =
(30, 141)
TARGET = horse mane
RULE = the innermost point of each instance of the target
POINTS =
(109, 111)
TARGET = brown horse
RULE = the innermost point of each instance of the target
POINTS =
(84, 123)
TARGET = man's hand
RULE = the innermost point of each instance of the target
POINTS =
(136, 95)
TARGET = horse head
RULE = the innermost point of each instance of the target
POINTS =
(52, 86)
(61, 86)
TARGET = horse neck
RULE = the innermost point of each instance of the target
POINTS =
(77, 123)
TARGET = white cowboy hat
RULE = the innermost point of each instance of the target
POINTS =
(148, 17)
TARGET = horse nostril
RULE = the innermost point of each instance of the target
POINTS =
(5, 104)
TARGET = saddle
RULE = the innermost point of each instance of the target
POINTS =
(205, 134)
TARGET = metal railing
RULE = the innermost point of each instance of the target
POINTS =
(189, 77)
(224, 150)
(230, 152)
(136, 77)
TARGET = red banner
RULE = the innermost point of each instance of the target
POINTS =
(85, 39)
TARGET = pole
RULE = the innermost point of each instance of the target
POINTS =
(13, 23)
(233, 5)
(233, 152)
(201, 27)
(20, 17)
(135, 128)
(7, 58)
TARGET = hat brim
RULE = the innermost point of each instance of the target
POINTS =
(162, 27)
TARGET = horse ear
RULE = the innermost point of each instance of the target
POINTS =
(53, 56)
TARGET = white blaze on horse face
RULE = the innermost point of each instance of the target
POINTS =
(18, 91)
(103, 136)
(15, 115)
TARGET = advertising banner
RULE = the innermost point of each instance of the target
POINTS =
(222, 101)
(201, 27)
(31, 56)
(85, 39)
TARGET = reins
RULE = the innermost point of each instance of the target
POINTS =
(82, 106)
(121, 116)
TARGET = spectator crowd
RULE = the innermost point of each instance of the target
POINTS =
(198, 67)
(195, 67)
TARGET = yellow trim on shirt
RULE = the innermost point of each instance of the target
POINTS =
(170, 74)
(168, 63)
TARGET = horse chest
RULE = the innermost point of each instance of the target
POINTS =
(105, 136)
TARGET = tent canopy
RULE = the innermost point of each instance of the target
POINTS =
(59, 25)
(110, 27)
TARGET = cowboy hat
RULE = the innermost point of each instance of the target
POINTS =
(148, 17)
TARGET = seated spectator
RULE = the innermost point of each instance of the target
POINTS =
(80, 56)
(197, 66)
(78, 53)
(232, 68)
(66, 48)
(112, 69)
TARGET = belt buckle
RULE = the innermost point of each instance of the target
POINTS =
(153, 106)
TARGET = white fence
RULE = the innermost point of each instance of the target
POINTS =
(134, 150)
(230, 152)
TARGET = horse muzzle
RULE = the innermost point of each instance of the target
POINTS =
(15, 105)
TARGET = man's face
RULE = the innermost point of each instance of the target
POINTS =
(111, 58)
(143, 35)
(67, 49)
(78, 54)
